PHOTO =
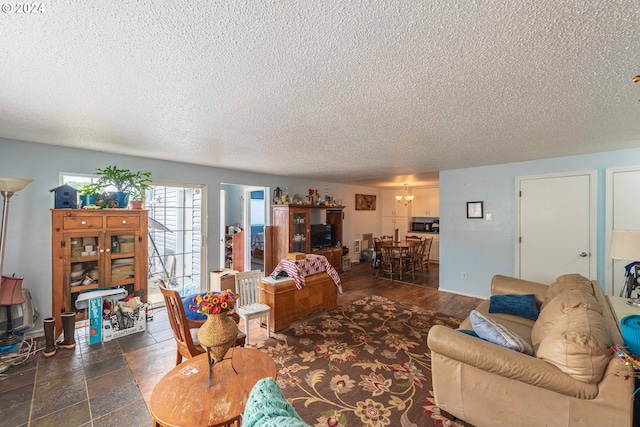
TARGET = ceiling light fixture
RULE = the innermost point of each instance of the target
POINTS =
(406, 198)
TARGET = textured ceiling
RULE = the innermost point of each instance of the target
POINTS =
(344, 91)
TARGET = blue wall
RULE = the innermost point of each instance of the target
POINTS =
(484, 248)
(28, 251)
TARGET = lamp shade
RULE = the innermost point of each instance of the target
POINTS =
(625, 244)
(11, 290)
(12, 184)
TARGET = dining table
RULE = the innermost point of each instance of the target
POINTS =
(404, 247)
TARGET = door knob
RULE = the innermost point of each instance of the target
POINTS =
(583, 254)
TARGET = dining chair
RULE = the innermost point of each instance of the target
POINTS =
(386, 238)
(185, 331)
(412, 237)
(390, 263)
(426, 252)
(248, 287)
(413, 260)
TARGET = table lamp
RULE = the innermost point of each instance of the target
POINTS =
(625, 244)
(10, 295)
(10, 287)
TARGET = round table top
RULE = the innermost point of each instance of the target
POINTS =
(181, 397)
(402, 243)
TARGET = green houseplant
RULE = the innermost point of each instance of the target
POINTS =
(89, 194)
(125, 182)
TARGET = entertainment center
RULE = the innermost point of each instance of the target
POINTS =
(308, 229)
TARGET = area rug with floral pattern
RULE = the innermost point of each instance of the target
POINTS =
(365, 364)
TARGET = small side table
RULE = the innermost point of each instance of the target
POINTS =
(621, 309)
(181, 397)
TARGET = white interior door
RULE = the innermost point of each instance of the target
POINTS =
(623, 206)
(556, 226)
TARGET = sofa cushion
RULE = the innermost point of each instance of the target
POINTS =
(518, 305)
(559, 305)
(469, 332)
(506, 319)
(494, 332)
(578, 345)
(564, 283)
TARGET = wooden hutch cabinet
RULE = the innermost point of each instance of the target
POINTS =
(97, 249)
(293, 231)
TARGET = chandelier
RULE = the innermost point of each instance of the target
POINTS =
(406, 198)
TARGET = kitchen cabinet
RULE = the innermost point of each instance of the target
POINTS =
(426, 202)
(389, 225)
(391, 207)
(394, 214)
(97, 249)
(292, 225)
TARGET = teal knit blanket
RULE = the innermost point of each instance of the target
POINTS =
(266, 407)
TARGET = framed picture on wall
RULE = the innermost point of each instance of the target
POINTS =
(474, 210)
(365, 202)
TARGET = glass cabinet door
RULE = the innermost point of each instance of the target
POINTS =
(98, 261)
(83, 270)
(120, 259)
(299, 231)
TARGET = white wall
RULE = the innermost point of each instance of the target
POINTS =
(28, 251)
(484, 248)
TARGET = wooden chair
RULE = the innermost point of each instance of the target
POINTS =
(249, 301)
(426, 251)
(386, 238)
(185, 331)
(413, 260)
(390, 263)
(412, 237)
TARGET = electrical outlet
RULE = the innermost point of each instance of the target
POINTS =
(464, 276)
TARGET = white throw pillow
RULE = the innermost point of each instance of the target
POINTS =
(494, 332)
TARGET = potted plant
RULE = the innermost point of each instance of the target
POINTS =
(124, 181)
(138, 193)
(89, 194)
(106, 200)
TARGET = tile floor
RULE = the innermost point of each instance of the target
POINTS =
(87, 386)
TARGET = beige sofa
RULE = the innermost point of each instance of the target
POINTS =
(573, 379)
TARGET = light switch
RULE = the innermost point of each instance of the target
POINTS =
(489, 217)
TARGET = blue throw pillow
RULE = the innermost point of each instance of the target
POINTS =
(494, 332)
(191, 313)
(469, 332)
(519, 305)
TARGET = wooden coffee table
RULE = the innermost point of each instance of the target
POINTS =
(181, 397)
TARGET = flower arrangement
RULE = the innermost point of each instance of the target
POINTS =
(312, 192)
(629, 360)
(215, 302)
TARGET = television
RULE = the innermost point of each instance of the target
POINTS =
(321, 236)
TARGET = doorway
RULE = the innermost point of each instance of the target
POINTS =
(244, 207)
(176, 250)
(556, 226)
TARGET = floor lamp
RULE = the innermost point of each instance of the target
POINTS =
(625, 244)
(10, 287)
